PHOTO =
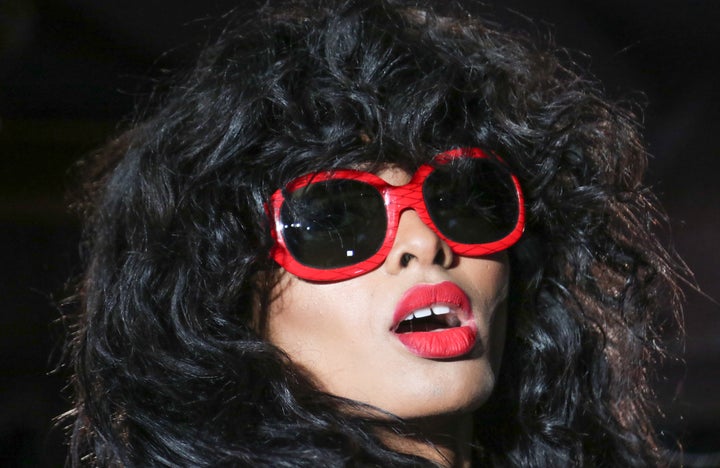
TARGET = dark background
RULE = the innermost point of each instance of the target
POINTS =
(70, 70)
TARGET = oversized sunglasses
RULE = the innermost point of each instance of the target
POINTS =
(339, 224)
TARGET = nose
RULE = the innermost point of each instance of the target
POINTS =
(416, 243)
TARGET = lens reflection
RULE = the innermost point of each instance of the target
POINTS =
(334, 223)
(472, 201)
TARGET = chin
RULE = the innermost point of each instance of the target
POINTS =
(450, 395)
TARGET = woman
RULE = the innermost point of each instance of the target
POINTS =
(370, 233)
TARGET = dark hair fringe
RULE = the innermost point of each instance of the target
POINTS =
(168, 369)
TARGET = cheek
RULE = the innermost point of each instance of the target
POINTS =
(487, 280)
(316, 325)
(296, 318)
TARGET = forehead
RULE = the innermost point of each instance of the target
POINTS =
(390, 173)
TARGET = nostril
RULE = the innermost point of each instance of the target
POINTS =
(438, 260)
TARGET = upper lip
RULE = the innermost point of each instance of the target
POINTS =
(422, 296)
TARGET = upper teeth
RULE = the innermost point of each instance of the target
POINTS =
(427, 311)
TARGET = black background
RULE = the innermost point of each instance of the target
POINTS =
(70, 70)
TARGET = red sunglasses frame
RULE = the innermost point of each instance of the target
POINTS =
(397, 199)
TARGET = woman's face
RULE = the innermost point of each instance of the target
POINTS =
(350, 335)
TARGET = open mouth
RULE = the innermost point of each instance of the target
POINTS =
(435, 321)
(428, 319)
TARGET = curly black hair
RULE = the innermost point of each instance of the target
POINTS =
(168, 367)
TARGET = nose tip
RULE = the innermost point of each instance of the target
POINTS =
(415, 242)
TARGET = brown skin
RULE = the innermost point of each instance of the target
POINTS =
(341, 333)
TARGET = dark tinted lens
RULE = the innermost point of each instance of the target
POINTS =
(472, 201)
(334, 223)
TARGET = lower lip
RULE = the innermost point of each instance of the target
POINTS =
(441, 344)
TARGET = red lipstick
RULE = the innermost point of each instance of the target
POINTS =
(442, 314)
